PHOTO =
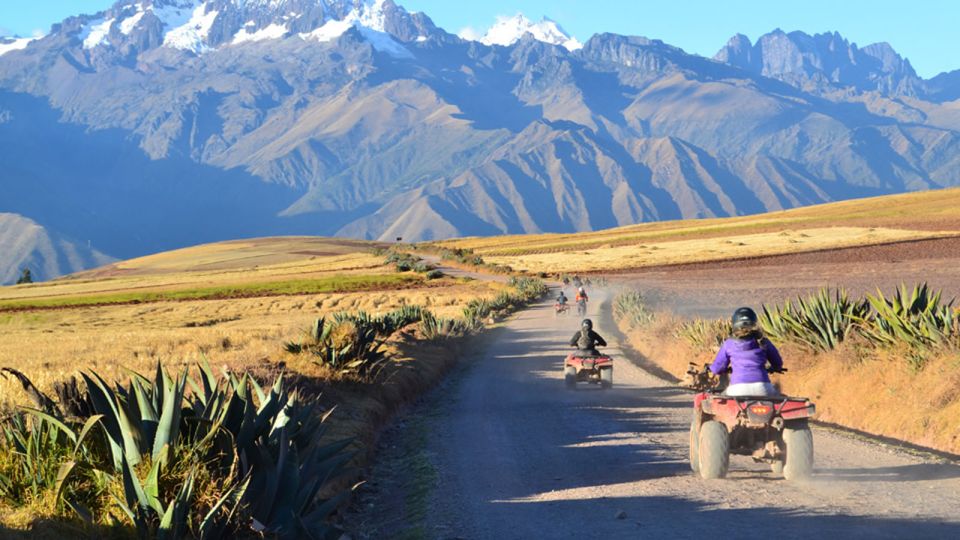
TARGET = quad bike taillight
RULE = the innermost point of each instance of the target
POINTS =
(759, 413)
(761, 410)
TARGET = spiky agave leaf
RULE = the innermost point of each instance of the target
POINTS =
(122, 440)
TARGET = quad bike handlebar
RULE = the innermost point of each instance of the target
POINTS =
(701, 378)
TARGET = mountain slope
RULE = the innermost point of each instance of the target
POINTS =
(25, 244)
(163, 123)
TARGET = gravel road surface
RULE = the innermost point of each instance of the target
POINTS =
(501, 450)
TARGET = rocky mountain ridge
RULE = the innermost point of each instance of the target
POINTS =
(162, 123)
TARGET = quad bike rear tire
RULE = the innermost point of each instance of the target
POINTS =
(798, 444)
(606, 377)
(570, 377)
(695, 444)
(714, 450)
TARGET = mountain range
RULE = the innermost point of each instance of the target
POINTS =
(163, 123)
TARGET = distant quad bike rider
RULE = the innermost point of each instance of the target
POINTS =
(586, 340)
(747, 353)
(581, 302)
(581, 295)
(562, 299)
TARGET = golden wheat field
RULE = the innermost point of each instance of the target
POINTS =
(863, 222)
(242, 332)
(607, 258)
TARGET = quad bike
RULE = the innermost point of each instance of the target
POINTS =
(584, 367)
(561, 309)
(771, 429)
(581, 307)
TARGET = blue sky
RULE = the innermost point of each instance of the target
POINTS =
(925, 31)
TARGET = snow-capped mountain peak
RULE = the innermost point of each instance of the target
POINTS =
(10, 44)
(508, 30)
(200, 26)
(370, 20)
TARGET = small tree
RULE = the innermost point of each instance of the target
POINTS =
(25, 277)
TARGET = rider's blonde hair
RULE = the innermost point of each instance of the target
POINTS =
(748, 332)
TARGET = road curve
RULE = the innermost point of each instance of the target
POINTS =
(515, 455)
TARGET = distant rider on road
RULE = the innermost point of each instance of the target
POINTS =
(581, 295)
(747, 354)
(562, 299)
(587, 340)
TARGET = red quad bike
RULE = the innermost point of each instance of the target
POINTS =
(580, 367)
(771, 429)
(561, 309)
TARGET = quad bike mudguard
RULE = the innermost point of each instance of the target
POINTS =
(755, 411)
(586, 362)
(579, 367)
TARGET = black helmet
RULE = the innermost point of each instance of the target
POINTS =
(587, 323)
(744, 320)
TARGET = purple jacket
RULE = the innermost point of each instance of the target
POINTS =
(748, 358)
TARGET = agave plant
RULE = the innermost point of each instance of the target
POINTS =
(503, 301)
(476, 311)
(159, 442)
(819, 322)
(528, 288)
(405, 262)
(631, 307)
(433, 327)
(351, 343)
(703, 334)
(33, 449)
(918, 318)
(399, 318)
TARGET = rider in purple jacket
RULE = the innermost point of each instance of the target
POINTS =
(748, 354)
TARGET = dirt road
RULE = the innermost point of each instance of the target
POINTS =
(503, 451)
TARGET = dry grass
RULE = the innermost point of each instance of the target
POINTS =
(213, 266)
(913, 216)
(290, 277)
(608, 258)
(239, 333)
(872, 391)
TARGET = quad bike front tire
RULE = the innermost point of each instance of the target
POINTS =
(606, 378)
(777, 467)
(570, 377)
(714, 450)
(798, 443)
(695, 444)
